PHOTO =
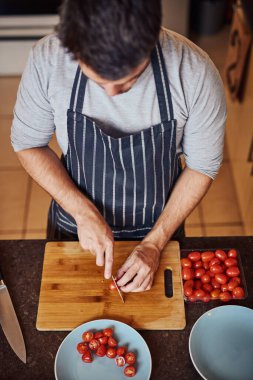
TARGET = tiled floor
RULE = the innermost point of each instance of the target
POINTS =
(24, 204)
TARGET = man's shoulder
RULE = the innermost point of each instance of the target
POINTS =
(49, 49)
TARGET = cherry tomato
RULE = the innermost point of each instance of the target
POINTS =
(207, 287)
(231, 262)
(86, 357)
(108, 332)
(189, 283)
(101, 351)
(197, 264)
(103, 340)
(215, 294)
(216, 269)
(186, 263)
(207, 256)
(199, 272)
(236, 279)
(188, 291)
(238, 292)
(82, 347)
(111, 352)
(220, 254)
(98, 335)
(120, 361)
(194, 256)
(233, 271)
(225, 296)
(224, 288)
(192, 298)
(210, 273)
(130, 358)
(130, 371)
(232, 284)
(221, 278)
(206, 265)
(199, 293)
(112, 342)
(215, 284)
(206, 298)
(112, 285)
(205, 278)
(87, 336)
(197, 284)
(232, 253)
(187, 273)
(214, 261)
(94, 344)
(121, 351)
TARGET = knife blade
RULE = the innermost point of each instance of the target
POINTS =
(118, 289)
(9, 322)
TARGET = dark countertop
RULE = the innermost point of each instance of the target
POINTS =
(21, 263)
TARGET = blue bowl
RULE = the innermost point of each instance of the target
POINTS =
(221, 344)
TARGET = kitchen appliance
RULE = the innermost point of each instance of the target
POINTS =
(74, 291)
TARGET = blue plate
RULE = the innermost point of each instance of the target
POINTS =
(221, 344)
(69, 364)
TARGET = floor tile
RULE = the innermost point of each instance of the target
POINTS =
(13, 192)
(8, 157)
(193, 231)
(194, 217)
(220, 204)
(233, 230)
(8, 94)
(38, 208)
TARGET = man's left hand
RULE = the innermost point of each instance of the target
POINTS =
(137, 273)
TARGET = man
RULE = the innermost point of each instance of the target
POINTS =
(126, 99)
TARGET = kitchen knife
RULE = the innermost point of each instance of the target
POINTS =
(9, 322)
(120, 293)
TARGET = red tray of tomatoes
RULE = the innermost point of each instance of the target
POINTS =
(212, 274)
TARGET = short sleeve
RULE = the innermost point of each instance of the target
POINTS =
(33, 123)
(203, 137)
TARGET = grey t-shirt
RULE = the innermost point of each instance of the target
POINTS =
(196, 88)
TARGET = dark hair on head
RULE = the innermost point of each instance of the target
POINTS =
(112, 37)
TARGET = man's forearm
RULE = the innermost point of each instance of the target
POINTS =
(46, 169)
(187, 193)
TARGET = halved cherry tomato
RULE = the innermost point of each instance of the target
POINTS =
(216, 269)
(130, 371)
(215, 284)
(112, 285)
(205, 278)
(214, 261)
(233, 271)
(130, 358)
(194, 256)
(87, 336)
(197, 264)
(199, 272)
(111, 353)
(103, 340)
(187, 273)
(98, 335)
(86, 357)
(230, 262)
(215, 294)
(221, 278)
(225, 296)
(207, 287)
(112, 342)
(94, 344)
(220, 254)
(188, 291)
(232, 253)
(108, 332)
(101, 351)
(197, 284)
(207, 256)
(189, 283)
(121, 351)
(238, 292)
(120, 361)
(82, 347)
(186, 263)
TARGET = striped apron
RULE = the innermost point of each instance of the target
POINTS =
(130, 178)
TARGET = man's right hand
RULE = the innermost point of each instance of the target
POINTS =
(96, 236)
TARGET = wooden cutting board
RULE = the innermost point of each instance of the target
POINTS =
(74, 291)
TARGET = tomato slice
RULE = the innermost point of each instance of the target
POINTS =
(86, 357)
(87, 336)
(121, 351)
(130, 358)
(130, 371)
(98, 335)
(111, 353)
(120, 361)
(112, 285)
(101, 351)
(112, 342)
(103, 340)
(82, 347)
(94, 344)
(108, 332)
